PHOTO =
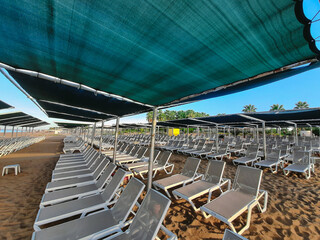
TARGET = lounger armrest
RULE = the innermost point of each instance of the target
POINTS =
(198, 176)
(224, 181)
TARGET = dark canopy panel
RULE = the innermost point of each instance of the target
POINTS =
(71, 125)
(4, 105)
(53, 108)
(18, 119)
(70, 117)
(155, 51)
(276, 118)
(59, 93)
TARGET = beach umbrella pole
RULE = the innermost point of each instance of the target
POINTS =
(153, 132)
(116, 140)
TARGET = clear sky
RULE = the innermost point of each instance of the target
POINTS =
(302, 87)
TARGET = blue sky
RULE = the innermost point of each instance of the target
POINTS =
(302, 87)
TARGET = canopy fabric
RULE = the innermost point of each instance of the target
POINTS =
(272, 118)
(4, 105)
(43, 90)
(52, 108)
(18, 119)
(71, 125)
(70, 117)
(155, 52)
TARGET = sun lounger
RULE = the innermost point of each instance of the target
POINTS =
(250, 158)
(222, 152)
(80, 206)
(130, 166)
(148, 219)
(212, 181)
(197, 149)
(302, 163)
(244, 196)
(78, 192)
(188, 174)
(98, 224)
(273, 161)
(207, 150)
(229, 235)
(138, 157)
(76, 182)
(83, 161)
(162, 164)
(82, 173)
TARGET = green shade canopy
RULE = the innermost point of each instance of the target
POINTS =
(4, 105)
(71, 125)
(19, 119)
(155, 52)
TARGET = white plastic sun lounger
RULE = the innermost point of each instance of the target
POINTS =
(162, 164)
(75, 155)
(250, 158)
(229, 235)
(243, 196)
(222, 152)
(302, 163)
(81, 206)
(76, 167)
(212, 181)
(82, 173)
(76, 182)
(98, 224)
(83, 161)
(147, 222)
(78, 192)
(144, 162)
(140, 155)
(273, 161)
(188, 174)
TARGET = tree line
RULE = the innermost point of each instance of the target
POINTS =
(275, 107)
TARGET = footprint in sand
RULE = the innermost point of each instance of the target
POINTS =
(269, 220)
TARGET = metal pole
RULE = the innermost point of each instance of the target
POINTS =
(100, 144)
(153, 132)
(93, 133)
(187, 134)
(32, 130)
(229, 133)
(12, 132)
(264, 139)
(258, 133)
(4, 130)
(296, 133)
(217, 138)
(17, 130)
(116, 140)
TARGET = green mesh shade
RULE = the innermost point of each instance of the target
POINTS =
(71, 125)
(151, 51)
(4, 105)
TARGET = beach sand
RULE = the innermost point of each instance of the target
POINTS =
(20, 195)
(293, 207)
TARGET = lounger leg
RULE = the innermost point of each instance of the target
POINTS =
(3, 171)
(248, 220)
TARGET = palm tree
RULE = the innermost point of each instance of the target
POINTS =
(221, 114)
(249, 108)
(301, 105)
(276, 107)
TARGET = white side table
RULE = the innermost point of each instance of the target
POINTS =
(16, 168)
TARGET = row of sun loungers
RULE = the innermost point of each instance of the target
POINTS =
(10, 145)
(87, 187)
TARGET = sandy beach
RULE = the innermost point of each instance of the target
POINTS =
(293, 207)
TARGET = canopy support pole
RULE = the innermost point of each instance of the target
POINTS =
(93, 133)
(4, 130)
(116, 140)
(153, 132)
(187, 134)
(217, 138)
(258, 133)
(100, 143)
(12, 132)
(264, 140)
(310, 128)
(17, 130)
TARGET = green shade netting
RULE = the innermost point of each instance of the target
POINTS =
(4, 105)
(151, 51)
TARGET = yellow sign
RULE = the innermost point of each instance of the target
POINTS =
(174, 131)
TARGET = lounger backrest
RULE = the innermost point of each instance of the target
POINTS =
(191, 144)
(201, 144)
(230, 235)
(252, 151)
(147, 153)
(208, 147)
(114, 184)
(147, 222)
(300, 157)
(97, 163)
(134, 150)
(127, 199)
(274, 155)
(164, 158)
(214, 171)
(106, 175)
(190, 167)
(247, 180)
(156, 154)
(99, 170)
(141, 152)
(129, 149)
